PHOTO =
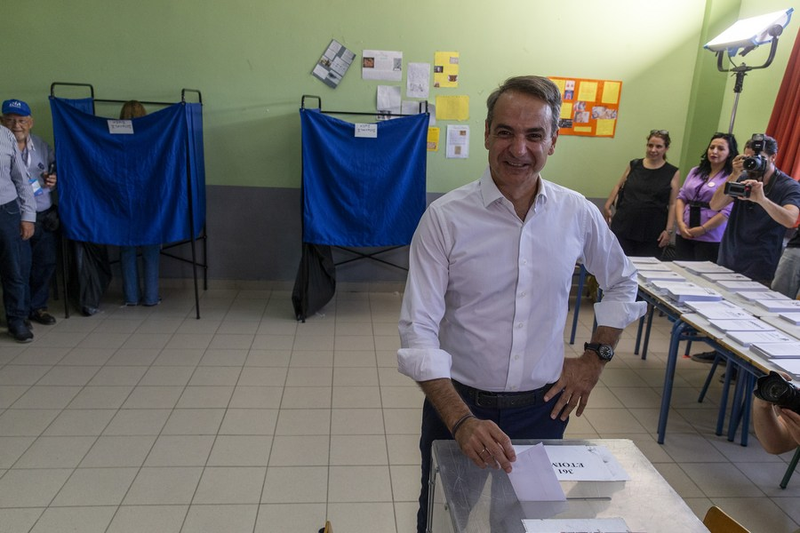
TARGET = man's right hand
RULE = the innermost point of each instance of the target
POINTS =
(486, 444)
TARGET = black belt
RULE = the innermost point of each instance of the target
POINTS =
(501, 400)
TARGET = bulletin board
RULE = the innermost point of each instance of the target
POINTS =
(589, 107)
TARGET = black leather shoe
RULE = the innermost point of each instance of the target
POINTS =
(20, 331)
(43, 317)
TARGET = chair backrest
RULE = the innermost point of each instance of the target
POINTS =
(718, 521)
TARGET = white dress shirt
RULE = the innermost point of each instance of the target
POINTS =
(486, 296)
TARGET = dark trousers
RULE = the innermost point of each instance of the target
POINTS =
(640, 248)
(692, 250)
(531, 422)
(15, 263)
(43, 266)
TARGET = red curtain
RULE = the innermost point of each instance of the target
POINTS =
(784, 124)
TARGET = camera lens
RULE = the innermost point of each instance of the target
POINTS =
(774, 390)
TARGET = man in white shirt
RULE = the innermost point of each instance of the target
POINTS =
(490, 271)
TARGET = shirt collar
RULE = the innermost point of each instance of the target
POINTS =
(492, 194)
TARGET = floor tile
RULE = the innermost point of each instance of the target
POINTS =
(296, 484)
(214, 518)
(83, 519)
(230, 485)
(164, 486)
(95, 486)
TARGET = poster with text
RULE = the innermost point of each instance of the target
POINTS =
(588, 107)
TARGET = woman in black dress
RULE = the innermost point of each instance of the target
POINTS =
(644, 215)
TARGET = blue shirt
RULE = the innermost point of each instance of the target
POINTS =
(753, 241)
(14, 177)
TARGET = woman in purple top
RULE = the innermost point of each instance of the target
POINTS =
(700, 228)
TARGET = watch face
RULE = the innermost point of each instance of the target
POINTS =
(606, 352)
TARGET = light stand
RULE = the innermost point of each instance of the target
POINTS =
(741, 70)
(747, 34)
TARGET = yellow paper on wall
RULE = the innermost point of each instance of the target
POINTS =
(560, 84)
(445, 69)
(582, 129)
(587, 91)
(610, 92)
(452, 107)
(566, 110)
(433, 139)
(604, 127)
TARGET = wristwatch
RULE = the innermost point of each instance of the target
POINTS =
(603, 351)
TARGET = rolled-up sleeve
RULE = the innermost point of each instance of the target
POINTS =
(420, 356)
(615, 274)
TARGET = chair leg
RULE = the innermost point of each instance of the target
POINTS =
(714, 365)
(789, 471)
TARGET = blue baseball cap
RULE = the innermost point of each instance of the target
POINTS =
(16, 107)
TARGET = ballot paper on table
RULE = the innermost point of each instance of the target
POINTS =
(533, 477)
(644, 261)
(777, 306)
(724, 276)
(653, 267)
(792, 366)
(718, 310)
(652, 275)
(752, 324)
(777, 350)
(575, 525)
(701, 267)
(766, 294)
(741, 286)
(691, 292)
(791, 317)
(747, 338)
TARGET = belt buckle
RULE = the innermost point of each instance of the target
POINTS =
(486, 400)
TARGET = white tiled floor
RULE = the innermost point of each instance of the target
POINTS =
(148, 420)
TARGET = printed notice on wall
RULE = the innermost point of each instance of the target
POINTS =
(433, 139)
(381, 65)
(457, 142)
(589, 107)
(333, 64)
(418, 80)
(445, 69)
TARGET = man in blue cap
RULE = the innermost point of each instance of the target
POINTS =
(39, 159)
(17, 218)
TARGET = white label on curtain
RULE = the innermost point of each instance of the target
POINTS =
(369, 131)
(120, 127)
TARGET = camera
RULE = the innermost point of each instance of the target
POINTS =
(757, 163)
(737, 190)
(773, 388)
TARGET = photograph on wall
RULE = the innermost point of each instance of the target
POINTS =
(445, 69)
(333, 64)
(382, 65)
(589, 107)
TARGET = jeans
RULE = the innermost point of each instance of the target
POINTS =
(43, 266)
(15, 264)
(532, 422)
(787, 276)
(130, 273)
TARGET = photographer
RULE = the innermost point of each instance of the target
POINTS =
(777, 428)
(766, 203)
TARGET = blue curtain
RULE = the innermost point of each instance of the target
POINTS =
(129, 189)
(362, 191)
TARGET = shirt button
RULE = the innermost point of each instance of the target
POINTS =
(524, 261)
(523, 293)
(516, 357)
(519, 325)
(513, 388)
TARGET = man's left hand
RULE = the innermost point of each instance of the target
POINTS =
(26, 230)
(578, 378)
(50, 180)
(756, 191)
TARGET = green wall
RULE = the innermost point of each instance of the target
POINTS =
(252, 61)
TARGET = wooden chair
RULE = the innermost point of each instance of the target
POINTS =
(718, 521)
